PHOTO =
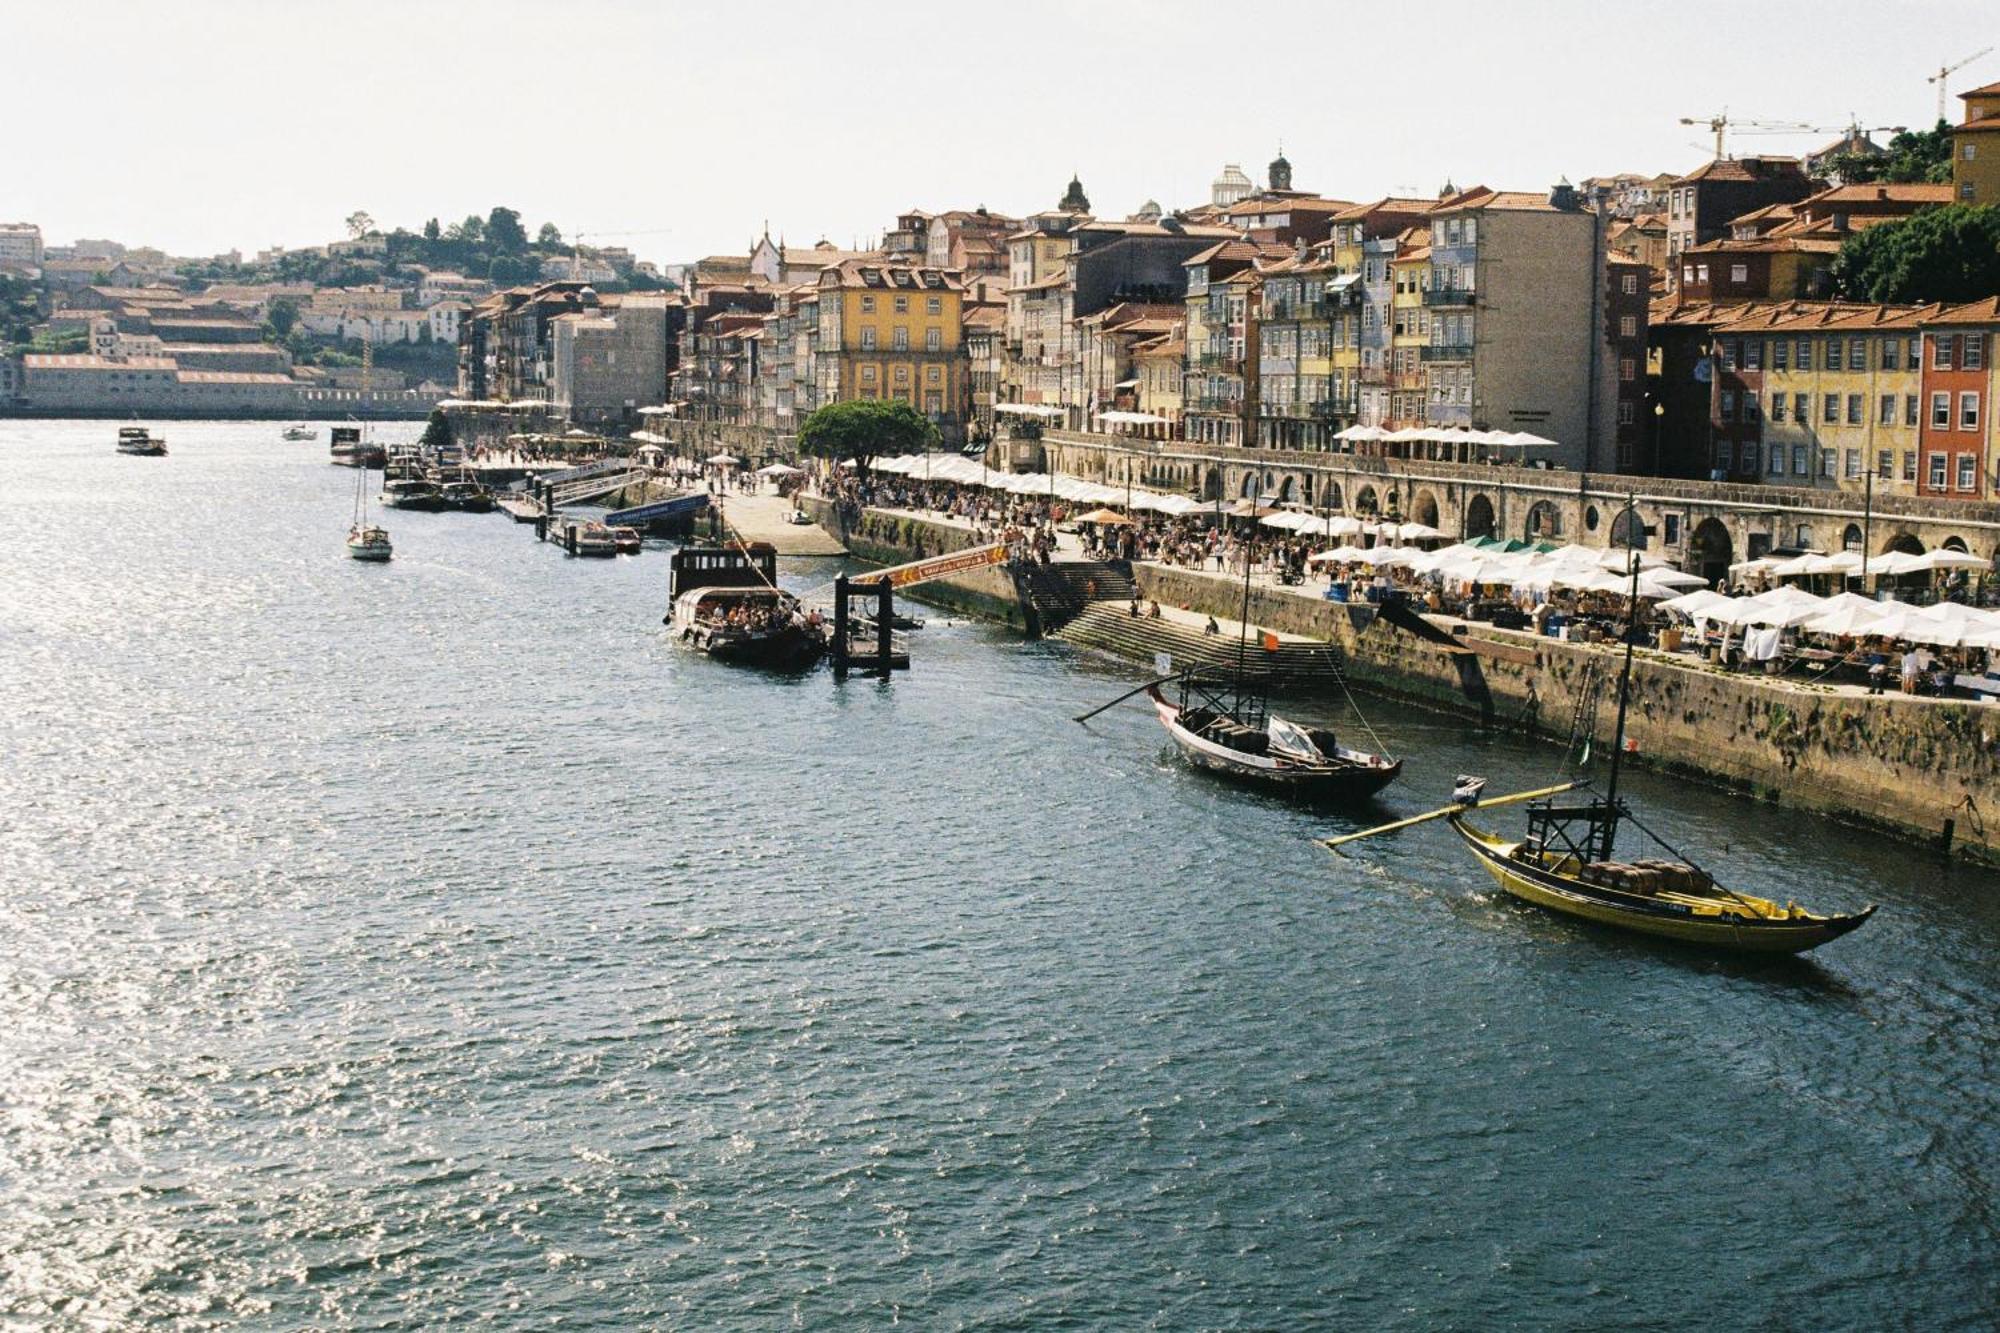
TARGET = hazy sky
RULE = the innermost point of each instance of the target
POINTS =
(201, 125)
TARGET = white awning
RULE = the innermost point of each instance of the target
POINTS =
(1132, 418)
(1028, 409)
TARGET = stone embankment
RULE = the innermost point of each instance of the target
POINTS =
(1916, 766)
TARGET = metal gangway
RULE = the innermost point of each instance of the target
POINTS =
(579, 489)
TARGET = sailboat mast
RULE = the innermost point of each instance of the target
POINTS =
(1631, 515)
(1243, 622)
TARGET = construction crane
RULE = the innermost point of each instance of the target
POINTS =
(1720, 125)
(1946, 71)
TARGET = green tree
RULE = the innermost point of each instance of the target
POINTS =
(283, 314)
(359, 224)
(472, 231)
(504, 231)
(548, 238)
(437, 430)
(864, 429)
(1939, 254)
(1914, 156)
(432, 231)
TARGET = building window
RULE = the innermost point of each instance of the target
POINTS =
(1885, 465)
(1829, 408)
(1628, 326)
(1969, 151)
(867, 340)
(1826, 462)
(1798, 460)
(1753, 354)
(1909, 409)
(1781, 355)
(899, 337)
(1687, 274)
(1629, 284)
(1727, 399)
(1739, 274)
(1701, 273)
(1727, 350)
(902, 305)
(1753, 408)
(1890, 354)
(1801, 413)
(1941, 350)
(1968, 411)
(867, 374)
(1972, 353)
(1854, 409)
(1940, 411)
(1857, 354)
(1909, 465)
(1966, 191)
(933, 340)
(1850, 463)
(934, 305)
(902, 374)
(1805, 354)
(1628, 369)
(930, 374)
(867, 305)
(1777, 407)
(1886, 410)
(1935, 466)
(1777, 460)
(1968, 471)
(1625, 417)
(1673, 530)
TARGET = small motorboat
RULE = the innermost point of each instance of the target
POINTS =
(368, 542)
(300, 432)
(141, 443)
(467, 497)
(1222, 726)
(591, 539)
(413, 493)
(627, 541)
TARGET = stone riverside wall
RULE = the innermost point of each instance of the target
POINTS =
(1905, 764)
(893, 539)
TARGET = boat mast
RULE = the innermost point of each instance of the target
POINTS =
(1633, 534)
(1243, 623)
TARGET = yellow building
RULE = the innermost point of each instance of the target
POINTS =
(1409, 329)
(894, 331)
(1834, 391)
(1975, 148)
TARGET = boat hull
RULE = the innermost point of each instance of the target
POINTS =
(789, 648)
(1662, 920)
(1335, 782)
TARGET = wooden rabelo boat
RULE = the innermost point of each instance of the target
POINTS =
(1567, 860)
(141, 443)
(1224, 726)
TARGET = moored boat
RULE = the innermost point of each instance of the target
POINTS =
(592, 539)
(301, 431)
(413, 493)
(1224, 728)
(1568, 862)
(368, 542)
(141, 443)
(724, 601)
(346, 448)
(467, 497)
(627, 541)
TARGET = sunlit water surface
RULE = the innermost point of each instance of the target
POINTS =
(386, 946)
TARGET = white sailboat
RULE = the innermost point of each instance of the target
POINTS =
(365, 540)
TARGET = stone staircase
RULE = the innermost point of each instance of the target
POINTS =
(1057, 594)
(1110, 627)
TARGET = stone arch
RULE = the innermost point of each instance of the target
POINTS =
(1628, 529)
(1544, 521)
(1249, 487)
(1710, 550)
(1479, 518)
(1330, 497)
(1954, 543)
(1424, 509)
(1850, 537)
(1211, 484)
(1366, 501)
(1904, 541)
(1288, 489)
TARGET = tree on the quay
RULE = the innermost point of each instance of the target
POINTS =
(359, 224)
(1949, 254)
(504, 231)
(864, 429)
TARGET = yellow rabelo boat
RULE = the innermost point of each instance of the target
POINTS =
(1567, 863)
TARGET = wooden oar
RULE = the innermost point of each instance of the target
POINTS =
(1085, 717)
(1332, 844)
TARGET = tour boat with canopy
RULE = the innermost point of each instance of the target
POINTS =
(141, 443)
(725, 601)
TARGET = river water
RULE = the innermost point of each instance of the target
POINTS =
(435, 941)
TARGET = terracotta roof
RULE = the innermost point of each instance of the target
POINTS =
(1911, 193)
(1986, 90)
(984, 317)
(1740, 169)
(1986, 126)
(87, 361)
(1172, 345)
(1986, 311)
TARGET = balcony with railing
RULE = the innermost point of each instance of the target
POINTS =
(1447, 352)
(1450, 296)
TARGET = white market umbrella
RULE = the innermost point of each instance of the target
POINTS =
(725, 460)
(1949, 559)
